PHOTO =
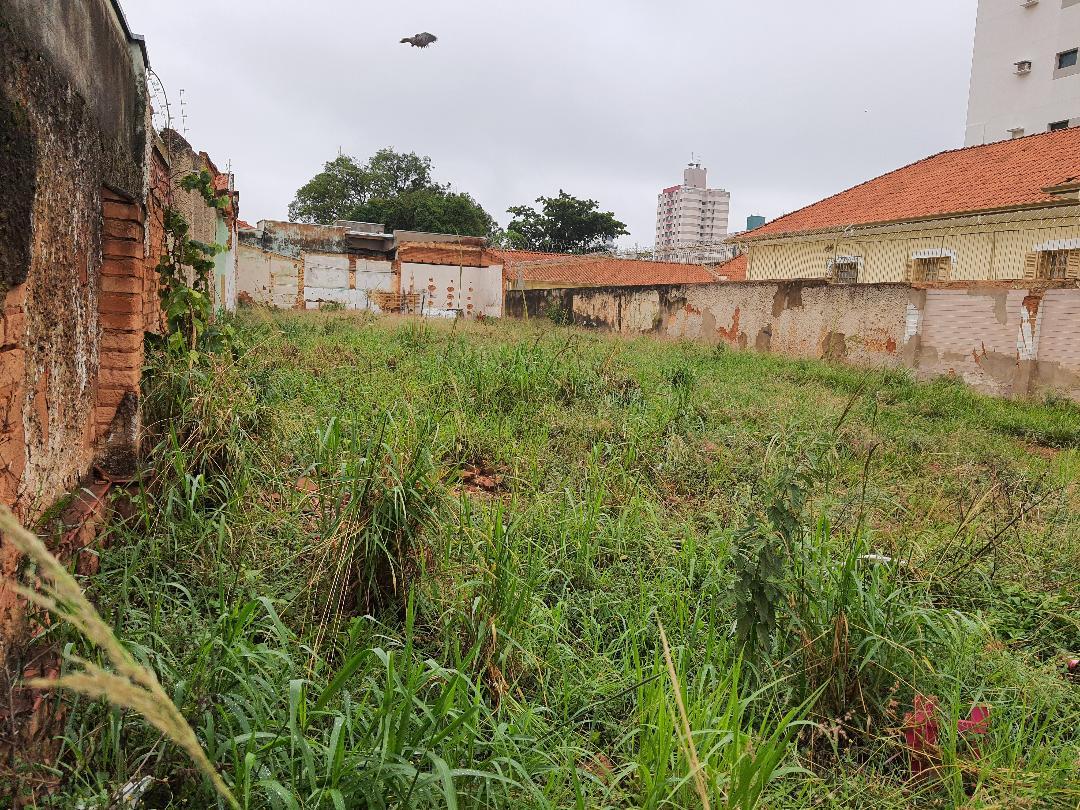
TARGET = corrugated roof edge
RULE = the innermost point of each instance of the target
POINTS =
(748, 235)
(137, 39)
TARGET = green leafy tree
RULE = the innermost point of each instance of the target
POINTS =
(432, 210)
(392, 188)
(564, 224)
(334, 193)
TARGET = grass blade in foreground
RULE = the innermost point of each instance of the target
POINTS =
(131, 686)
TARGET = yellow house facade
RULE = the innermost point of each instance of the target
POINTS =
(1002, 212)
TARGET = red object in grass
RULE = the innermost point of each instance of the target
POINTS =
(921, 732)
(922, 728)
(978, 722)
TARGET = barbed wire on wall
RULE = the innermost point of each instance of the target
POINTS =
(161, 117)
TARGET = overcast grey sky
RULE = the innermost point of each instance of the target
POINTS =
(786, 101)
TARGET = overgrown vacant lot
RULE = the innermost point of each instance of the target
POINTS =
(385, 563)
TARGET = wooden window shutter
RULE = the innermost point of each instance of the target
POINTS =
(943, 265)
(909, 271)
(1031, 265)
(1072, 268)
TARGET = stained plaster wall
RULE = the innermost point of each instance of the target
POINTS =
(225, 266)
(295, 265)
(71, 90)
(1007, 340)
(447, 290)
(73, 124)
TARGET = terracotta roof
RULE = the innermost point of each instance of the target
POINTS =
(734, 270)
(979, 178)
(244, 226)
(552, 269)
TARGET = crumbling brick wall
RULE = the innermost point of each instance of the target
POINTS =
(202, 219)
(158, 197)
(73, 259)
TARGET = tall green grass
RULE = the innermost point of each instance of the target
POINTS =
(385, 563)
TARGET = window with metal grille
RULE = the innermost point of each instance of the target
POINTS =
(931, 269)
(1053, 264)
(845, 272)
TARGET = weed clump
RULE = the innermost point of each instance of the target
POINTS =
(388, 563)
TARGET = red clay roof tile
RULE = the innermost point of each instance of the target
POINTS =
(598, 270)
(978, 178)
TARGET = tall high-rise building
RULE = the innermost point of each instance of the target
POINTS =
(1025, 75)
(692, 219)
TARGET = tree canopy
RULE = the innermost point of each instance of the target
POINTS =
(392, 188)
(564, 224)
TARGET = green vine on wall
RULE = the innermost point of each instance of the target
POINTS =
(184, 272)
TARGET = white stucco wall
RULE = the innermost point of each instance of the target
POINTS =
(1007, 32)
(327, 279)
(267, 278)
(449, 289)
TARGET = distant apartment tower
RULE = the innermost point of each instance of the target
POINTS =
(1025, 75)
(692, 219)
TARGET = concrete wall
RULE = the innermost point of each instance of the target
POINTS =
(225, 265)
(988, 248)
(1000, 339)
(349, 280)
(263, 277)
(292, 265)
(446, 290)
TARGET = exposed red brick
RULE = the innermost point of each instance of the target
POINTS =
(12, 367)
(103, 416)
(123, 267)
(110, 397)
(122, 284)
(119, 377)
(121, 359)
(118, 210)
(15, 300)
(131, 321)
(12, 329)
(112, 341)
(124, 229)
(122, 249)
(119, 303)
(446, 253)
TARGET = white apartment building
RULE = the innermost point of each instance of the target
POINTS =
(692, 219)
(1025, 75)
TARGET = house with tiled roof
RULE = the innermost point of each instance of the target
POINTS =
(1000, 212)
(530, 270)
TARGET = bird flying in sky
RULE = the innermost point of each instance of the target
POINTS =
(420, 40)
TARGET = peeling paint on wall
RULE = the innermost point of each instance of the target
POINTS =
(912, 322)
(1005, 341)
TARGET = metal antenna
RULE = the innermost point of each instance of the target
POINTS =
(183, 113)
